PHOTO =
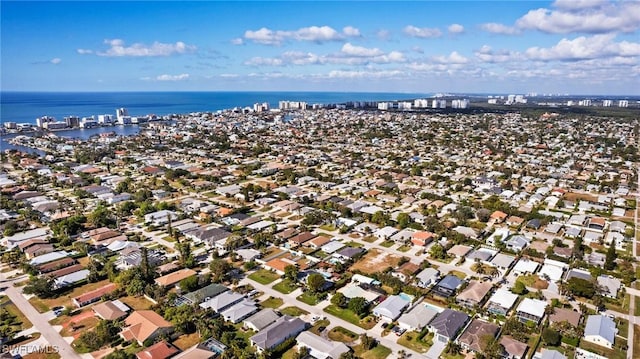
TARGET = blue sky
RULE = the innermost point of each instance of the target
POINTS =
(565, 46)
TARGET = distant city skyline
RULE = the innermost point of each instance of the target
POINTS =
(565, 46)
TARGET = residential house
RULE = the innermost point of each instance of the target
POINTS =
(392, 307)
(261, 320)
(422, 238)
(447, 286)
(427, 277)
(531, 310)
(474, 294)
(201, 351)
(222, 301)
(474, 336)
(610, 285)
(513, 349)
(501, 302)
(406, 271)
(448, 324)
(517, 243)
(94, 295)
(565, 315)
(159, 350)
(319, 347)
(110, 310)
(239, 311)
(348, 253)
(600, 330)
(277, 332)
(300, 239)
(174, 278)
(160, 218)
(418, 317)
(143, 325)
(551, 354)
(203, 294)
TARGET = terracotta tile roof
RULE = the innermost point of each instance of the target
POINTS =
(141, 324)
(96, 293)
(160, 350)
(278, 264)
(175, 277)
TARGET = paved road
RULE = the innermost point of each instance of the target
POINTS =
(39, 321)
(388, 341)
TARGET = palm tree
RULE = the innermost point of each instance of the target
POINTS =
(478, 268)
(492, 271)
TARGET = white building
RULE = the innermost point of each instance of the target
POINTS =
(623, 103)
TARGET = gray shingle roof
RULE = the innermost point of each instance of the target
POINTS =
(449, 322)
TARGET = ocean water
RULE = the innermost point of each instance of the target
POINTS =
(25, 107)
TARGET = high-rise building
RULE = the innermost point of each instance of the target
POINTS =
(623, 103)
(607, 103)
(122, 116)
(462, 103)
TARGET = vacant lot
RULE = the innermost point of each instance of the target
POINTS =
(376, 261)
(264, 276)
(340, 334)
(137, 303)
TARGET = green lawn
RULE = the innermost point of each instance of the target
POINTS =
(340, 334)
(387, 244)
(623, 327)
(404, 248)
(636, 310)
(378, 352)
(458, 274)
(264, 276)
(308, 298)
(285, 286)
(411, 341)
(351, 317)
(272, 302)
(293, 311)
(328, 227)
(636, 341)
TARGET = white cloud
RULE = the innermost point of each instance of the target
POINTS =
(581, 48)
(166, 77)
(424, 32)
(84, 51)
(495, 28)
(351, 31)
(487, 54)
(359, 51)
(118, 49)
(348, 55)
(592, 17)
(453, 58)
(319, 34)
(578, 4)
(455, 29)
(56, 60)
(358, 74)
(237, 41)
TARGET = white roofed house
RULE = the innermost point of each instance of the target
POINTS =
(277, 332)
(418, 317)
(160, 218)
(391, 308)
(600, 330)
(319, 347)
(501, 302)
(427, 277)
(531, 310)
(610, 285)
